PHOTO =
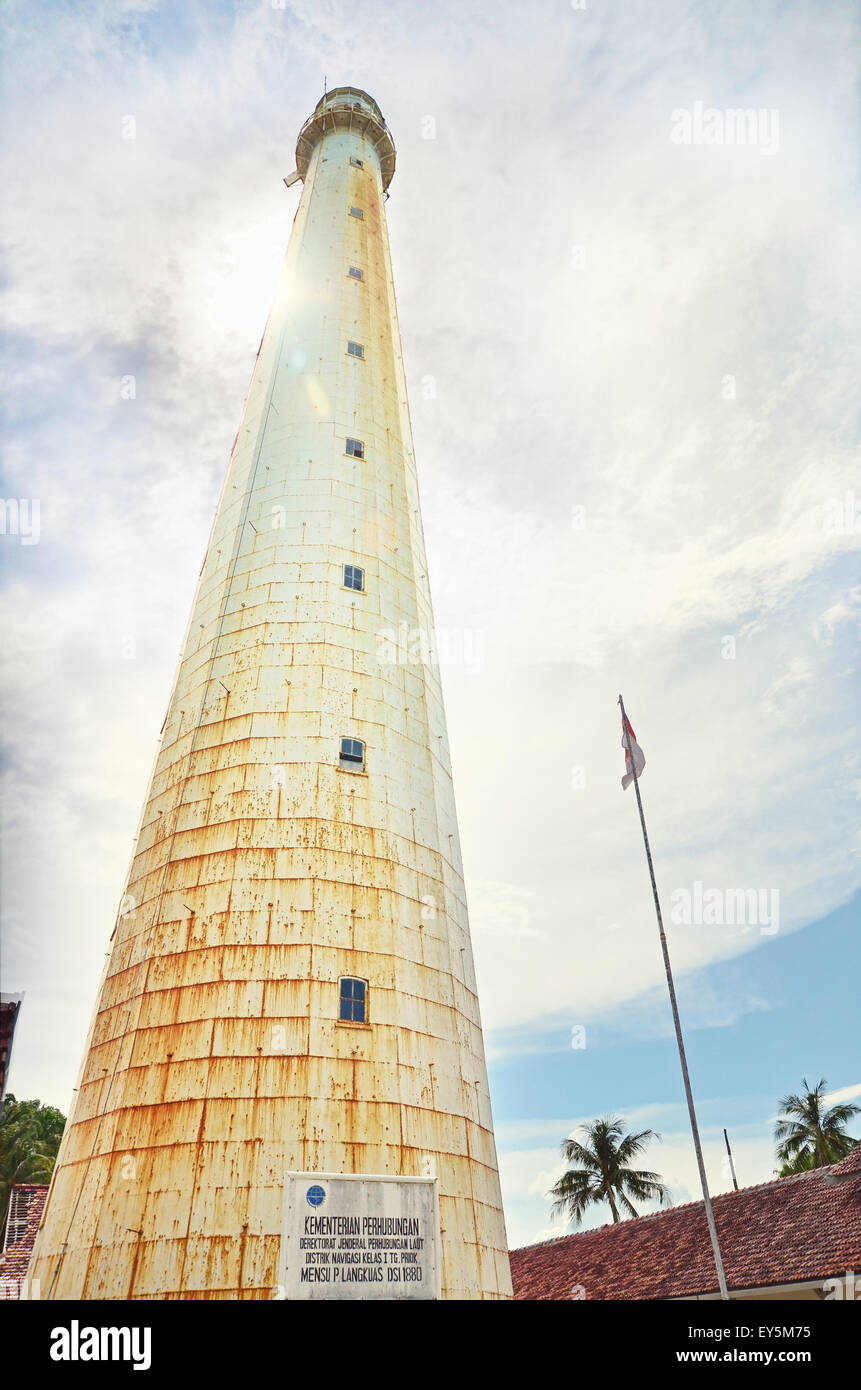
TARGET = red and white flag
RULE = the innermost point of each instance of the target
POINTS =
(639, 755)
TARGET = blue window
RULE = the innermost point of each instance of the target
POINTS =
(356, 273)
(355, 448)
(354, 1001)
(355, 349)
(356, 212)
(352, 754)
(354, 578)
(359, 163)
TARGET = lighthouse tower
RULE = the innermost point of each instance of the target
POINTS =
(290, 985)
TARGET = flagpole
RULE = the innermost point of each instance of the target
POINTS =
(671, 987)
(731, 1164)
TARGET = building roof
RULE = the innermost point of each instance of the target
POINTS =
(787, 1231)
(848, 1167)
(16, 1256)
(10, 1005)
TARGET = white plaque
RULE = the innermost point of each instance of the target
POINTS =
(360, 1236)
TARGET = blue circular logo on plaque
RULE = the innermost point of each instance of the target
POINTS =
(315, 1195)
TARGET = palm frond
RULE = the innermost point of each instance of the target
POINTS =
(808, 1136)
(633, 1144)
(600, 1170)
(628, 1206)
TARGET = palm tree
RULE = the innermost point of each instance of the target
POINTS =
(603, 1174)
(30, 1135)
(802, 1163)
(808, 1135)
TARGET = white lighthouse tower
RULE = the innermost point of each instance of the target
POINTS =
(290, 987)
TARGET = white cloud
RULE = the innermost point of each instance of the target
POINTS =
(845, 610)
(843, 1094)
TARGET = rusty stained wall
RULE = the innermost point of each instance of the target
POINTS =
(263, 872)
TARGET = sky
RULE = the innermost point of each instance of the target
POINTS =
(630, 329)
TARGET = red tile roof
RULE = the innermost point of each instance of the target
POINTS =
(848, 1167)
(781, 1232)
(16, 1257)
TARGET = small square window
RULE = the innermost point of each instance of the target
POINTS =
(352, 755)
(356, 273)
(353, 1000)
(355, 349)
(355, 448)
(356, 212)
(359, 163)
(354, 578)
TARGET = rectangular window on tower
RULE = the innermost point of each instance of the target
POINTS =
(359, 163)
(356, 212)
(354, 578)
(356, 273)
(352, 756)
(353, 1001)
(356, 349)
(355, 448)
